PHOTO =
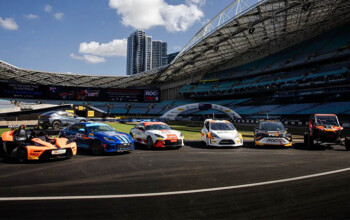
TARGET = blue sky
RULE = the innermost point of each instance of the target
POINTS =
(85, 36)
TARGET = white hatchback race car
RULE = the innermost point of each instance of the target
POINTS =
(157, 135)
(220, 133)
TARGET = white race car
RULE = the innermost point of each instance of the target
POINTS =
(157, 134)
(220, 133)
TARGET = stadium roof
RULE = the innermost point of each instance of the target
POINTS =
(266, 27)
(232, 37)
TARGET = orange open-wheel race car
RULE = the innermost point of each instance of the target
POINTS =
(28, 144)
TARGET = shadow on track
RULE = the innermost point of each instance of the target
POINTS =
(200, 145)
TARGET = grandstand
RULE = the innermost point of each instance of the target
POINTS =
(277, 57)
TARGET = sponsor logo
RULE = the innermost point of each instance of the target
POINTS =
(151, 93)
(273, 140)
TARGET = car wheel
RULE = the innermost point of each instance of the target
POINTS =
(347, 143)
(96, 148)
(306, 139)
(62, 135)
(149, 142)
(310, 142)
(56, 125)
(22, 154)
(206, 143)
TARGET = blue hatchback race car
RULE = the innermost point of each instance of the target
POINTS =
(98, 137)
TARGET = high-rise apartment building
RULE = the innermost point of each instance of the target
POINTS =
(139, 54)
(159, 54)
(144, 54)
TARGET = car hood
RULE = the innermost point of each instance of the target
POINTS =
(117, 136)
(165, 132)
(223, 134)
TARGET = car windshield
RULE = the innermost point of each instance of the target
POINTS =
(158, 127)
(222, 127)
(271, 126)
(327, 120)
(99, 128)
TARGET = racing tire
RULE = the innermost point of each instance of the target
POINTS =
(96, 148)
(56, 125)
(310, 142)
(306, 139)
(254, 144)
(149, 143)
(22, 156)
(62, 135)
(347, 143)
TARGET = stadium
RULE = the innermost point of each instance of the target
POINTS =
(274, 59)
(286, 61)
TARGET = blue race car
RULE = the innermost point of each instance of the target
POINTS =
(98, 137)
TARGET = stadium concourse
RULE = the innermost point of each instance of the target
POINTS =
(284, 59)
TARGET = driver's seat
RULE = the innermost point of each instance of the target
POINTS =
(21, 134)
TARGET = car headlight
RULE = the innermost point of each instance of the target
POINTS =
(108, 139)
(236, 135)
(159, 136)
(214, 135)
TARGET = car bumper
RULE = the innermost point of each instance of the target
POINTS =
(47, 155)
(218, 142)
(274, 142)
(169, 144)
(110, 148)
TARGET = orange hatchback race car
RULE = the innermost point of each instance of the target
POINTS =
(27, 144)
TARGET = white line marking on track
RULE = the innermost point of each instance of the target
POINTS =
(171, 193)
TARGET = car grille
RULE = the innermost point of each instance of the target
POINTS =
(124, 147)
(178, 142)
(227, 142)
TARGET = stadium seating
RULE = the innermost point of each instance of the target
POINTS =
(334, 108)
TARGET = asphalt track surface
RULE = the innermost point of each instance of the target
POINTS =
(189, 168)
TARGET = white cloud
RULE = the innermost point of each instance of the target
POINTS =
(143, 14)
(48, 8)
(197, 2)
(88, 58)
(8, 24)
(31, 17)
(59, 16)
(116, 47)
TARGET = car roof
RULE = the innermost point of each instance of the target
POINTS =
(216, 121)
(92, 123)
(270, 121)
(154, 123)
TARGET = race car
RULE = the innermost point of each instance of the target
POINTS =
(324, 129)
(157, 135)
(272, 132)
(220, 133)
(98, 137)
(27, 144)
